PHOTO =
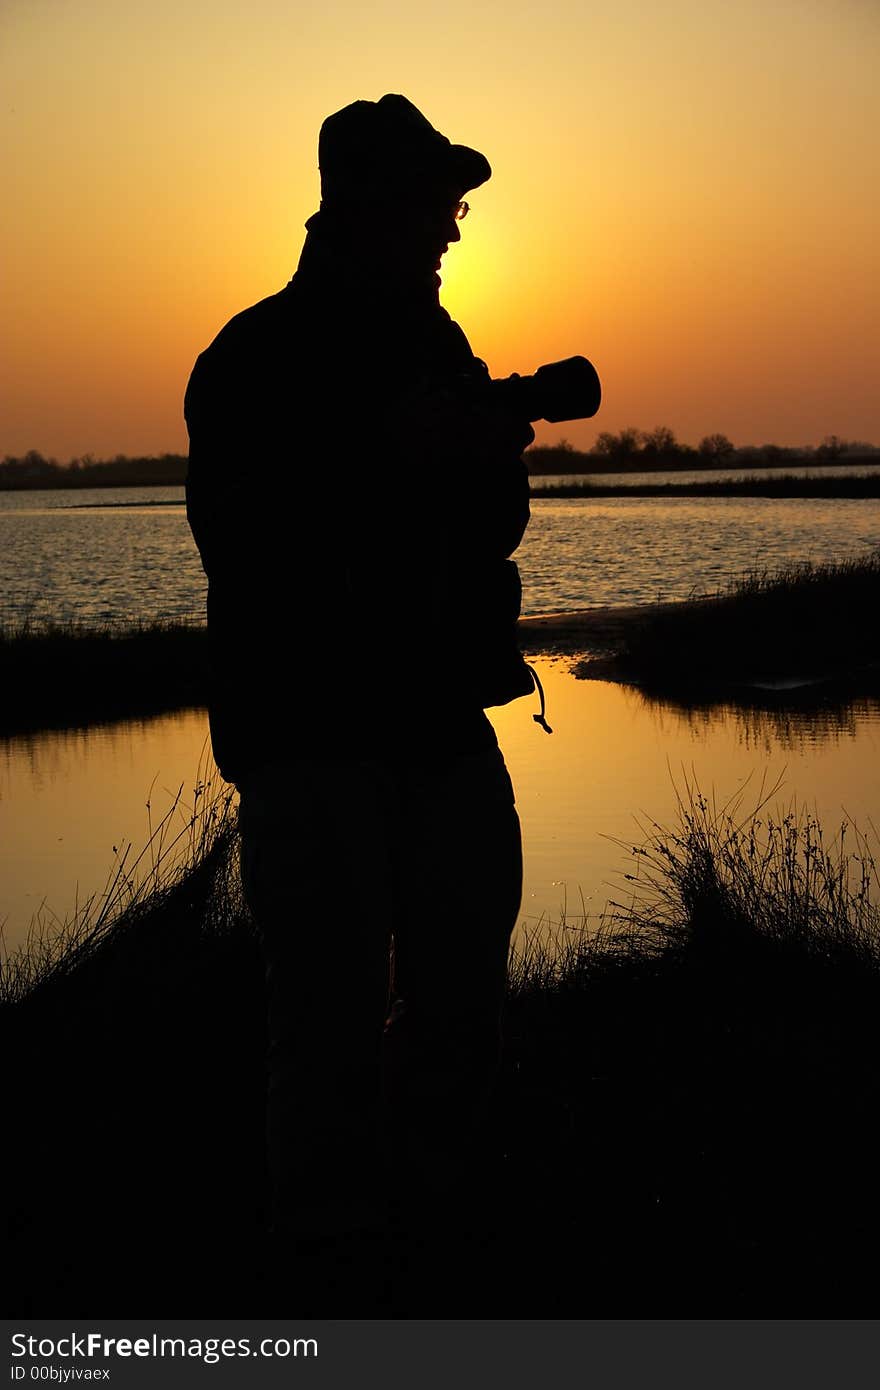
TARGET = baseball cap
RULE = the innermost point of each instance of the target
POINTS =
(387, 147)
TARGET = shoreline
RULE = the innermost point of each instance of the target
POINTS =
(584, 631)
(840, 485)
(771, 637)
(710, 647)
(69, 677)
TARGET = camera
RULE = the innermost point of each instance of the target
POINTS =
(558, 391)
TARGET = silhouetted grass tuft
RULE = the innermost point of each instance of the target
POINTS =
(188, 858)
(697, 1080)
(135, 1038)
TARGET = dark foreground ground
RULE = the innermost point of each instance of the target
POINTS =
(680, 1132)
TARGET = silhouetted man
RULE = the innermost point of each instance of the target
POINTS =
(355, 494)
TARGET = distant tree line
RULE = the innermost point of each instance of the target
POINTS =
(34, 471)
(631, 450)
(641, 451)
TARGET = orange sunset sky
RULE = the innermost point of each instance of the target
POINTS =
(686, 192)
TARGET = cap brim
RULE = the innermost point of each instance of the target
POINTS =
(469, 167)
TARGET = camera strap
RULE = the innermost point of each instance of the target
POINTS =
(540, 718)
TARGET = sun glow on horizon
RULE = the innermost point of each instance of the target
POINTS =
(689, 197)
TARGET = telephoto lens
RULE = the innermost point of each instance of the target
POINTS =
(558, 391)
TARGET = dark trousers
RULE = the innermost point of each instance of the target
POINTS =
(377, 882)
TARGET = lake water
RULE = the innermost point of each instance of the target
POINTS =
(119, 555)
(67, 798)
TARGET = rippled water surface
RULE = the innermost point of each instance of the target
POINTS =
(617, 550)
(97, 556)
(117, 555)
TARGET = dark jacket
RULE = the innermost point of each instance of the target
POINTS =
(355, 496)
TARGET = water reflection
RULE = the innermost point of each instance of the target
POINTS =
(67, 797)
(766, 721)
(618, 755)
(70, 799)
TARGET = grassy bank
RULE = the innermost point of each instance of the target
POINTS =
(805, 621)
(684, 1125)
(764, 635)
(781, 485)
(65, 674)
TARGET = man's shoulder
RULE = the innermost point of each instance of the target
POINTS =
(258, 322)
(256, 343)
